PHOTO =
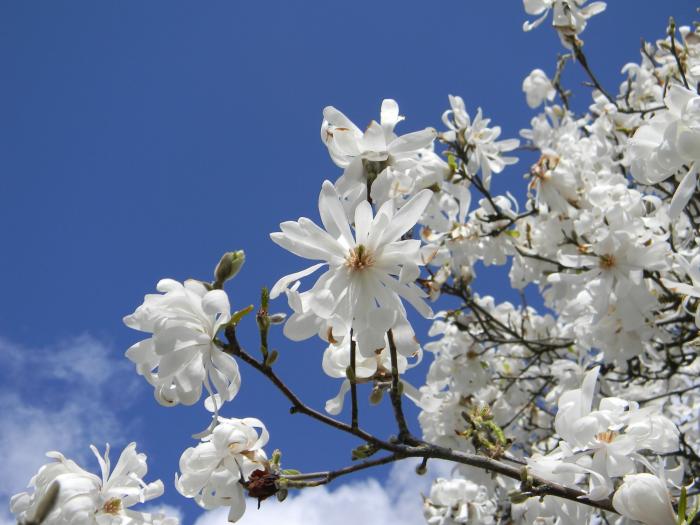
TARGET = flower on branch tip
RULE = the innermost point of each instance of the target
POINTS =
(368, 273)
(86, 499)
(217, 470)
(181, 356)
(477, 140)
(538, 88)
(369, 155)
(570, 16)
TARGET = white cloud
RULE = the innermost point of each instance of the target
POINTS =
(168, 510)
(62, 398)
(366, 502)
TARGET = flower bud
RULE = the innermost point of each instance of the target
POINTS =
(278, 318)
(350, 374)
(47, 503)
(376, 396)
(271, 358)
(276, 457)
(644, 497)
(229, 265)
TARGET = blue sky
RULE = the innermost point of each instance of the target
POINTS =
(140, 140)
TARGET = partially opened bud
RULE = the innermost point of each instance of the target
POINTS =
(644, 497)
(229, 265)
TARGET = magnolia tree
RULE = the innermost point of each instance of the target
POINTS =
(583, 410)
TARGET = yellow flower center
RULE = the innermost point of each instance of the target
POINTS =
(607, 437)
(359, 258)
(607, 261)
(113, 506)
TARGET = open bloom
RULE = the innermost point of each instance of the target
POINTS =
(365, 155)
(182, 356)
(86, 499)
(478, 140)
(368, 272)
(570, 16)
(614, 433)
(212, 471)
(458, 501)
(666, 143)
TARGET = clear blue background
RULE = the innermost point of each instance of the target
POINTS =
(142, 139)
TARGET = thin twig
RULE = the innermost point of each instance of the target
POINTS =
(674, 52)
(414, 448)
(321, 478)
(395, 392)
(578, 52)
(353, 382)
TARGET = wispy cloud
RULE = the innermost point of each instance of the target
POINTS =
(61, 397)
(367, 502)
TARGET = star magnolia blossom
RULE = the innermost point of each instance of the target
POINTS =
(366, 155)
(569, 15)
(644, 497)
(538, 88)
(86, 499)
(367, 274)
(670, 140)
(614, 433)
(616, 264)
(184, 321)
(478, 140)
(213, 470)
(458, 501)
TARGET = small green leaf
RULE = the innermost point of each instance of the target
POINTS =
(364, 451)
(682, 505)
(237, 316)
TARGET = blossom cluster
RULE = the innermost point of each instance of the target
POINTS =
(65, 494)
(608, 236)
(588, 383)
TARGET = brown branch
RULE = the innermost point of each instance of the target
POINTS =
(578, 53)
(412, 447)
(354, 418)
(674, 52)
(298, 406)
(322, 478)
(404, 433)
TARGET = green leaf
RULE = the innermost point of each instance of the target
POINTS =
(237, 316)
(682, 505)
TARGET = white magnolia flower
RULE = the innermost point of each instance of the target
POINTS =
(86, 499)
(368, 272)
(365, 155)
(644, 497)
(458, 501)
(213, 471)
(614, 432)
(688, 291)
(181, 356)
(670, 140)
(569, 15)
(376, 368)
(538, 88)
(478, 140)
